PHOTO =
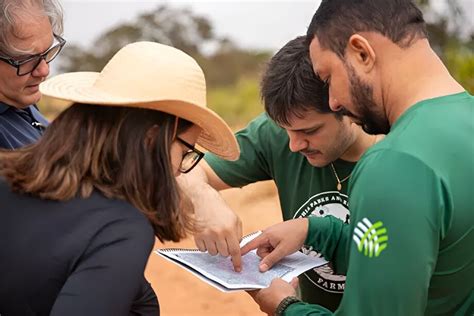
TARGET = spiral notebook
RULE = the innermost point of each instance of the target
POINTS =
(218, 271)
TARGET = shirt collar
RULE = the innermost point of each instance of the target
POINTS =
(3, 107)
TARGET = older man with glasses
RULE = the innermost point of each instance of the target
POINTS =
(29, 41)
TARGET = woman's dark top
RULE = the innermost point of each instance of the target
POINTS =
(80, 257)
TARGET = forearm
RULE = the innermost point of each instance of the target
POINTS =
(219, 229)
(330, 237)
(200, 180)
(198, 189)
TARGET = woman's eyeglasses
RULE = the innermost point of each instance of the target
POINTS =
(191, 158)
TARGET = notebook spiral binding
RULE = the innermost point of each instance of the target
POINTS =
(179, 249)
(197, 250)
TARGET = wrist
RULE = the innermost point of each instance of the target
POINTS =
(287, 301)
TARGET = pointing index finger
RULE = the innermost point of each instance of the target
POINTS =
(254, 244)
(234, 251)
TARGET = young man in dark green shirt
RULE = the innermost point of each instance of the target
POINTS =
(309, 154)
(409, 247)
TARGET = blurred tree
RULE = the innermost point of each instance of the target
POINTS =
(177, 27)
(452, 37)
(229, 63)
(233, 73)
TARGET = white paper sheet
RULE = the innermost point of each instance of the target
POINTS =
(218, 271)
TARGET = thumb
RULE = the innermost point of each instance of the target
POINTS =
(272, 258)
(294, 283)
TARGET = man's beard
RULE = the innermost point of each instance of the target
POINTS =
(372, 120)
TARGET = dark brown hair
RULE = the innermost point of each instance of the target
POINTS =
(289, 85)
(336, 21)
(104, 148)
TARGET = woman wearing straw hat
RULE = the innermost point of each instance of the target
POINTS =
(79, 209)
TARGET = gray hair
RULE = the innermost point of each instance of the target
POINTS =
(12, 11)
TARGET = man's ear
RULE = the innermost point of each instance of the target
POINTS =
(361, 52)
(151, 135)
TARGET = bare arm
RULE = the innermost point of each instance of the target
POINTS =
(204, 172)
(220, 228)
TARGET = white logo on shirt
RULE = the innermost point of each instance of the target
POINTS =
(327, 203)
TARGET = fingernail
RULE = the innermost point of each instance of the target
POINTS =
(263, 267)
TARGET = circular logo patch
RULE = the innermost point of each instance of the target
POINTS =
(327, 203)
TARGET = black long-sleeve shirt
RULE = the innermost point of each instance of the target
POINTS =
(81, 257)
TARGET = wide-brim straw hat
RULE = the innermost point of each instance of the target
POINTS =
(152, 76)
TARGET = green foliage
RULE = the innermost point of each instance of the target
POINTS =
(460, 62)
(238, 103)
(230, 63)
(451, 41)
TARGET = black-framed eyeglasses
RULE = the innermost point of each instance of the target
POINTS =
(190, 158)
(29, 64)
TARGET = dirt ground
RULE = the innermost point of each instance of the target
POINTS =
(182, 294)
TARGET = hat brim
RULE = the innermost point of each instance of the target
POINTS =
(78, 87)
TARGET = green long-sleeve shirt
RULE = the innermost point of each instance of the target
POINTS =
(409, 247)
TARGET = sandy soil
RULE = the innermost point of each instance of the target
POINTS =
(182, 294)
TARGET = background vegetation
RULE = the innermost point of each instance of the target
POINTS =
(233, 73)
